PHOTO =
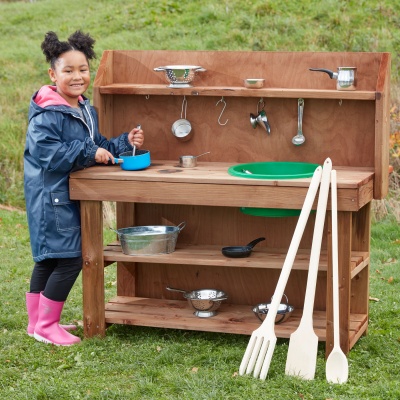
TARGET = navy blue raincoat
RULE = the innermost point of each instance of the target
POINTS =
(60, 139)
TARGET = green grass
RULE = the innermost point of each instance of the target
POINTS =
(272, 25)
(148, 363)
(143, 363)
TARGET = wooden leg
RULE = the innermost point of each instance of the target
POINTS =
(93, 268)
(126, 282)
(361, 242)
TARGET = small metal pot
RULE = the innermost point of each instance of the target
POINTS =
(190, 161)
(346, 77)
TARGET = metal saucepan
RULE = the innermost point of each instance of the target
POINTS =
(240, 251)
(182, 128)
(190, 161)
(346, 77)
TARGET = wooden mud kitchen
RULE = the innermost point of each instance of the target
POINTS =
(351, 127)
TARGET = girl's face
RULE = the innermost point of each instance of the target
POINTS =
(71, 76)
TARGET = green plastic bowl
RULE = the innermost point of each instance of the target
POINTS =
(273, 170)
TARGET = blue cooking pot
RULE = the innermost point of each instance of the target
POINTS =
(128, 162)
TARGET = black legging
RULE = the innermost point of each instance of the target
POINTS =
(55, 277)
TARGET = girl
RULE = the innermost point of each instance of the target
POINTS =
(62, 137)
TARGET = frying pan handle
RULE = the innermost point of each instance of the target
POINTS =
(328, 71)
(255, 241)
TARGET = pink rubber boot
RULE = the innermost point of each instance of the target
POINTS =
(47, 329)
(32, 306)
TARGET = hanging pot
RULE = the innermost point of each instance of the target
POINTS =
(182, 128)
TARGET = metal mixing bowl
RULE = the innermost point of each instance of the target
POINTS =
(180, 76)
(284, 311)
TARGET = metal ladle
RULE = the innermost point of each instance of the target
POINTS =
(299, 138)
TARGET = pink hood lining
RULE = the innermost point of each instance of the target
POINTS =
(48, 96)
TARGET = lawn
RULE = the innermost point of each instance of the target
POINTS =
(147, 363)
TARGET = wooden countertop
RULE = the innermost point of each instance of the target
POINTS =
(210, 184)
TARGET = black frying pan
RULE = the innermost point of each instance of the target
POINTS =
(240, 251)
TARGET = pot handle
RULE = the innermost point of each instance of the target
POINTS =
(181, 225)
(159, 69)
(175, 290)
(118, 160)
(328, 71)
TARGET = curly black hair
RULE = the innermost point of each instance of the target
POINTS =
(52, 47)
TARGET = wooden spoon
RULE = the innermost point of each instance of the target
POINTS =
(337, 368)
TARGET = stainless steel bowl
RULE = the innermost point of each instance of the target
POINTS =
(180, 76)
(204, 301)
(149, 240)
(284, 312)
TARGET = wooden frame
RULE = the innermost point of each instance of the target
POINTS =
(349, 127)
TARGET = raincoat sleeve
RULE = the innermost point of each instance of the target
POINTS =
(116, 145)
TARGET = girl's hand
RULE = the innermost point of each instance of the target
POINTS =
(103, 156)
(136, 137)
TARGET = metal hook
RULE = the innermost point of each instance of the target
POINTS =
(222, 100)
(261, 101)
(340, 102)
(147, 96)
(184, 107)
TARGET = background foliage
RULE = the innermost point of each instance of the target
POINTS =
(144, 363)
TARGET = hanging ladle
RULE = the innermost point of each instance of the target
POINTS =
(240, 251)
(299, 138)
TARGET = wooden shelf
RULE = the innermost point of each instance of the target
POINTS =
(237, 319)
(234, 91)
(211, 255)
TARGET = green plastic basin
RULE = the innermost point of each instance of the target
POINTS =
(273, 170)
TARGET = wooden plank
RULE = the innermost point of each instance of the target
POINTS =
(210, 184)
(104, 104)
(93, 268)
(234, 91)
(211, 255)
(382, 130)
(126, 271)
(214, 173)
(237, 319)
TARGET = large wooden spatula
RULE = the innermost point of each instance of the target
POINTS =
(303, 345)
(337, 368)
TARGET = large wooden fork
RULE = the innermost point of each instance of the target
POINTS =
(262, 342)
